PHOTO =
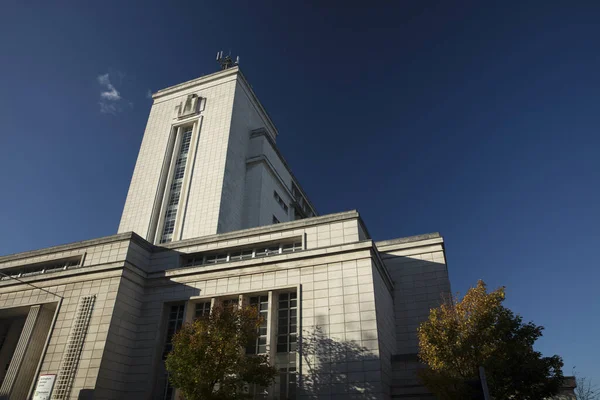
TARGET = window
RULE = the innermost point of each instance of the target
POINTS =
(174, 323)
(176, 184)
(287, 383)
(267, 251)
(240, 255)
(41, 268)
(170, 214)
(174, 199)
(286, 322)
(202, 310)
(280, 201)
(179, 171)
(216, 258)
(288, 246)
(169, 226)
(291, 247)
(260, 344)
(275, 220)
(185, 142)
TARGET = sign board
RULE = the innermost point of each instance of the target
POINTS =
(43, 390)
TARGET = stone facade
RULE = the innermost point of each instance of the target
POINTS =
(348, 292)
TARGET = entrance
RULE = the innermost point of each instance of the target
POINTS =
(23, 334)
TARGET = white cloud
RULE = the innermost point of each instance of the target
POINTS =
(108, 108)
(110, 98)
(149, 94)
(112, 93)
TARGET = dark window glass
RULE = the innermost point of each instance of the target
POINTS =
(286, 322)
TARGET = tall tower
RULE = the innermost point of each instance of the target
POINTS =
(209, 164)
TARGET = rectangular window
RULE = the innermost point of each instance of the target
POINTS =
(291, 247)
(179, 172)
(216, 258)
(267, 251)
(287, 245)
(287, 322)
(275, 220)
(287, 383)
(169, 226)
(202, 310)
(240, 255)
(174, 323)
(260, 344)
(193, 261)
(176, 184)
(280, 201)
(170, 214)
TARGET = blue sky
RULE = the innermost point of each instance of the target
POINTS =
(477, 120)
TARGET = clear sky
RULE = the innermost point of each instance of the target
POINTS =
(479, 120)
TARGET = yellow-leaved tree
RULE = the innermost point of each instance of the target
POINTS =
(461, 335)
(209, 359)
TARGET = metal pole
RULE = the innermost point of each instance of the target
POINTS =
(484, 386)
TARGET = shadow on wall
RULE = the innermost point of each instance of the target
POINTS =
(336, 369)
(86, 394)
(420, 284)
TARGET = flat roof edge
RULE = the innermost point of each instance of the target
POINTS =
(410, 239)
(77, 245)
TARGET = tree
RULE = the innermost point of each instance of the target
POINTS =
(585, 389)
(460, 336)
(209, 359)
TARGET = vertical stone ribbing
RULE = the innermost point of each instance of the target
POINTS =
(70, 360)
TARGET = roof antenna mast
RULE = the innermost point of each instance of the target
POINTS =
(226, 61)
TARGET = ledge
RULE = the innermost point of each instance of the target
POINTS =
(284, 226)
(131, 236)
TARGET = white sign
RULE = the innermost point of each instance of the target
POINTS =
(43, 390)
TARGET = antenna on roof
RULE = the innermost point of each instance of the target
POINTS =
(227, 61)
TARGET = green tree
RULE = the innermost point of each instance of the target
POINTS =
(461, 335)
(209, 360)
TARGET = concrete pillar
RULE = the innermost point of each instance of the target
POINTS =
(24, 363)
(271, 324)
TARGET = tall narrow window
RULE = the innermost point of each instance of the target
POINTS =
(287, 322)
(175, 187)
(260, 344)
(287, 383)
(174, 323)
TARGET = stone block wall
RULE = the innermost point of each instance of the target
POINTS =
(418, 268)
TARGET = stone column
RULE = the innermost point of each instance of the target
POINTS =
(22, 368)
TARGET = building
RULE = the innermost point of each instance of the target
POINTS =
(214, 214)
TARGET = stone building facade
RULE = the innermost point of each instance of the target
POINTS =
(215, 215)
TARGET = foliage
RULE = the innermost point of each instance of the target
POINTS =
(460, 336)
(209, 360)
